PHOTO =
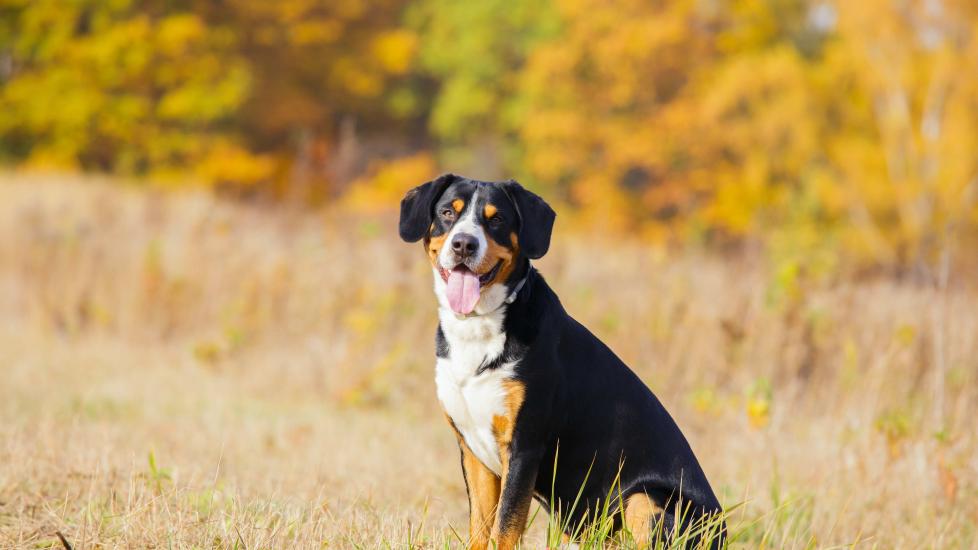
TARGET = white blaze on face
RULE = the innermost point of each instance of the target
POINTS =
(468, 223)
(463, 290)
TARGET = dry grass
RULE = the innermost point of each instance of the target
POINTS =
(276, 366)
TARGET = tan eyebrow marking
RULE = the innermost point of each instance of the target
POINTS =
(458, 205)
(489, 211)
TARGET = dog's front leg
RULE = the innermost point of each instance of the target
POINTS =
(519, 477)
(482, 486)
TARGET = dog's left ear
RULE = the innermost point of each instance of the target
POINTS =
(536, 220)
(417, 206)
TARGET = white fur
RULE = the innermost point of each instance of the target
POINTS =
(473, 400)
(467, 224)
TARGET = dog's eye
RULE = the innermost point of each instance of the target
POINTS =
(448, 214)
(496, 221)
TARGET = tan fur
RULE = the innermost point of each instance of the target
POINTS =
(507, 536)
(510, 537)
(641, 513)
(494, 255)
(433, 246)
(458, 205)
(489, 211)
(503, 425)
(483, 487)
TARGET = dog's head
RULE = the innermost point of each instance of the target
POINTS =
(476, 233)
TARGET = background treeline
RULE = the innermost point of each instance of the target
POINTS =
(828, 133)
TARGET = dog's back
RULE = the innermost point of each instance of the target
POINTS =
(611, 437)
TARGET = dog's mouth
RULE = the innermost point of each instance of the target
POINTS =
(463, 286)
(463, 269)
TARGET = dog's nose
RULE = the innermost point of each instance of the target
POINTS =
(464, 245)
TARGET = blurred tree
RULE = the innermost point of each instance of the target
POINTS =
(611, 119)
(114, 86)
(326, 73)
(807, 123)
(905, 173)
(474, 51)
(217, 88)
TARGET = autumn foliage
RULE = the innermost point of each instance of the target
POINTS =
(824, 131)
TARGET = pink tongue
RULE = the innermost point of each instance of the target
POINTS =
(463, 291)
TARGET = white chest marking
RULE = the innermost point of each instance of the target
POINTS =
(470, 399)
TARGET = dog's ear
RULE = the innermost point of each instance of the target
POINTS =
(536, 220)
(417, 206)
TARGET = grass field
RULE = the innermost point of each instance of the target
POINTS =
(183, 372)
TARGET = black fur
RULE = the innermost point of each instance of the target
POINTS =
(417, 207)
(585, 410)
(441, 344)
(536, 220)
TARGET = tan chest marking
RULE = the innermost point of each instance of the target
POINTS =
(504, 424)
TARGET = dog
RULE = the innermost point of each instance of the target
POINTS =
(540, 407)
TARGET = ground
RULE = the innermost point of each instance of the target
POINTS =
(182, 371)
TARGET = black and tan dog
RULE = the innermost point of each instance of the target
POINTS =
(518, 378)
